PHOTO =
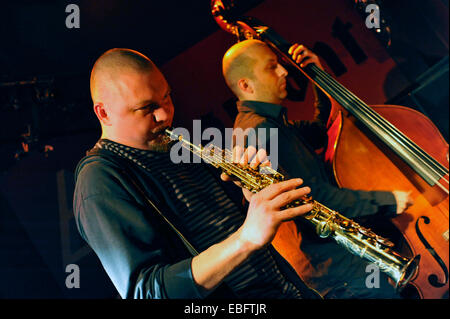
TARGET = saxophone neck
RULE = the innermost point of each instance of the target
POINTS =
(252, 179)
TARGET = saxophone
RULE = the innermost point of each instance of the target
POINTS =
(357, 239)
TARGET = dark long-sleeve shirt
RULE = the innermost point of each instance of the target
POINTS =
(326, 264)
(110, 215)
(141, 254)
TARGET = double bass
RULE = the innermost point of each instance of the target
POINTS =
(390, 146)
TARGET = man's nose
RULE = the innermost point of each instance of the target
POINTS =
(161, 114)
(282, 72)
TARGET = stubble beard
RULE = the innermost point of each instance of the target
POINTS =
(160, 144)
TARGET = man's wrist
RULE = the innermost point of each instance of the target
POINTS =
(244, 245)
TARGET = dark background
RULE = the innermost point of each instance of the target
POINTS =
(44, 100)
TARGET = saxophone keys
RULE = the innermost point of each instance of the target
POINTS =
(384, 242)
(346, 223)
(349, 225)
(366, 232)
(323, 229)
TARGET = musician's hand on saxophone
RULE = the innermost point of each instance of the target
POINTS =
(247, 157)
(266, 212)
(276, 200)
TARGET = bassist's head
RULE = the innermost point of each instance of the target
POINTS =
(252, 72)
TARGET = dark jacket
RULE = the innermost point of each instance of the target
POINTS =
(326, 265)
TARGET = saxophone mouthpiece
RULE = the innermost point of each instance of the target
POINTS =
(172, 135)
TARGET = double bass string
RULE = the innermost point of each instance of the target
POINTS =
(366, 111)
(433, 170)
(376, 117)
(433, 165)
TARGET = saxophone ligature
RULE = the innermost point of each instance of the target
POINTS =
(328, 223)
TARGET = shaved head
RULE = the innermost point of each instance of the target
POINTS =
(131, 99)
(111, 65)
(239, 62)
(251, 70)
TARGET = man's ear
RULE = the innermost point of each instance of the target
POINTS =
(102, 113)
(245, 86)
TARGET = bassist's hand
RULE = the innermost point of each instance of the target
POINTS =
(303, 56)
(404, 200)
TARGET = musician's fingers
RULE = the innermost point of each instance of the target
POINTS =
(266, 168)
(266, 163)
(299, 53)
(308, 58)
(410, 199)
(291, 213)
(249, 153)
(285, 198)
(274, 190)
(305, 61)
(292, 48)
(238, 151)
(260, 157)
(225, 177)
